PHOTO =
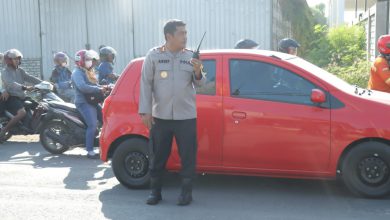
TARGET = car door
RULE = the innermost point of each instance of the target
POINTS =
(209, 115)
(270, 122)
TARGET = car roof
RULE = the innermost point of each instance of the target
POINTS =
(268, 53)
(294, 60)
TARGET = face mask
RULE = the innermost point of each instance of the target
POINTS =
(63, 64)
(88, 64)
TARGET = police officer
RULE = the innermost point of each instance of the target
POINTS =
(288, 45)
(167, 106)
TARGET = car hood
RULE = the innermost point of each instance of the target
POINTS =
(376, 96)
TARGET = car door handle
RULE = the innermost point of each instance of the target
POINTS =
(239, 115)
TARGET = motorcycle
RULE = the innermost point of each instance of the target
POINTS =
(35, 105)
(64, 127)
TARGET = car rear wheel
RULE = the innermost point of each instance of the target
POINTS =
(130, 163)
(366, 169)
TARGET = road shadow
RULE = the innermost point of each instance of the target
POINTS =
(81, 169)
(215, 195)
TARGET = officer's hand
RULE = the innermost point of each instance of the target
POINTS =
(4, 96)
(147, 119)
(197, 66)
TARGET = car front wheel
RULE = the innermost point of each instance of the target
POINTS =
(366, 169)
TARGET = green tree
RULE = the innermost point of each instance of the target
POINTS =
(347, 49)
(301, 19)
(318, 12)
(320, 49)
(347, 44)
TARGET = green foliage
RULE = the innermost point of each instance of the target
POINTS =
(356, 74)
(347, 44)
(319, 14)
(301, 18)
(341, 51)
(320, 53)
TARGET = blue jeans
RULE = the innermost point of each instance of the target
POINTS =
(91, 115)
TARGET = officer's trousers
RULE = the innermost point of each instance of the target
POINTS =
(161, 137)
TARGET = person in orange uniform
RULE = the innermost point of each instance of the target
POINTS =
(380, 72)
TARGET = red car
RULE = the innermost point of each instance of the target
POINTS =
(263, 113)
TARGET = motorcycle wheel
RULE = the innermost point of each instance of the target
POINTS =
(3, 123)
(49, 144)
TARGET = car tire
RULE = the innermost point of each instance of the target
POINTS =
(130, 163)
(366, 169)
(49, 144)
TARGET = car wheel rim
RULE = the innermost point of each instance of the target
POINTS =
(136, 164)
(373, 171)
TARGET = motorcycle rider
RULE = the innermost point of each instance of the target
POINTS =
(61, 77)
(14, 81)
(85, 82)
(3, 93)
(106, 68)
(380, 72)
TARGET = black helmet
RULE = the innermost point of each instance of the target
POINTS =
(104, 52)
(246, 44)
(285, 43)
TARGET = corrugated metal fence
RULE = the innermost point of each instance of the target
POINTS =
(39, 28)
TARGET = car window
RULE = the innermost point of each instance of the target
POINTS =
(264, 81)
(209, 68)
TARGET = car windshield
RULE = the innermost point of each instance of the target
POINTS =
(323, 74)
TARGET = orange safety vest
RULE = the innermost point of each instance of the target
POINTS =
(380, 75)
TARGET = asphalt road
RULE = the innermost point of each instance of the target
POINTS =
(37, 185)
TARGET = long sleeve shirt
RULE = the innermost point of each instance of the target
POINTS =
(105, 69)
(15, 79)
(61, 77)
(380, 75)
(167, 85)
(82, 85)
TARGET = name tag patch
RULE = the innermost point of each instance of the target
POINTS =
(185, 62)
(163, 61)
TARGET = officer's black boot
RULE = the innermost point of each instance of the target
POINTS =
(185, 197)
(155, 194)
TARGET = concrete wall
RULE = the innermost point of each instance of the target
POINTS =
(40, 28)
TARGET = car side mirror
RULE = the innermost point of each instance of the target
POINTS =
(318, 96)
